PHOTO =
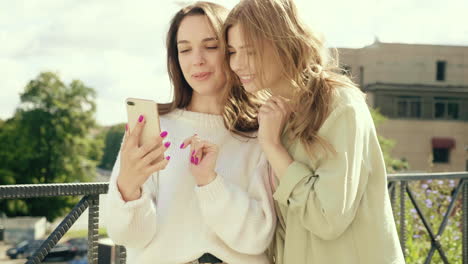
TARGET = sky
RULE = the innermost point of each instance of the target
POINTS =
(117, 47)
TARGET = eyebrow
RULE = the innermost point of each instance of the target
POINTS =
(204, 40)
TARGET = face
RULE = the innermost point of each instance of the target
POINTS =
(199, 56)
(242, 62)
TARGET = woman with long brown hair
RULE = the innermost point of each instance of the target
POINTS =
(203, 203)
(329, 180)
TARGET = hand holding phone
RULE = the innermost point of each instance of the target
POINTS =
(142, 152)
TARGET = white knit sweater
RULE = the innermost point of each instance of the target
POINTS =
(175, 221)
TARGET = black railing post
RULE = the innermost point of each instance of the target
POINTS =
(121, 255)
(393, 196)
(403, 217)
(93, 229)
(465, 222)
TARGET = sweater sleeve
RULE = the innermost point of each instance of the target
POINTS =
(244, 219)
(131, 224)
(326, 199)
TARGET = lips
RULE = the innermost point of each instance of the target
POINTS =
(246, 78)
(200, 76)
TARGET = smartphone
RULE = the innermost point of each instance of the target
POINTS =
(147, 108)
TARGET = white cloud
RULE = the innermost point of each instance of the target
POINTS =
(118, 46)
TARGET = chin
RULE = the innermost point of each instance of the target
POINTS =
(251, 88)
(206, 90)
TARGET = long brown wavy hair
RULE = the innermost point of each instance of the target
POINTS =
(310, 68)
(239, 114)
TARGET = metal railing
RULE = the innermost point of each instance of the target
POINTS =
(402, 180)
(90, 200)
(91, 192)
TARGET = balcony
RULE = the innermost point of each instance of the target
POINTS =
(405, 202)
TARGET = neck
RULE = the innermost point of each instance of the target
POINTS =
(282, 88)
(207, 104)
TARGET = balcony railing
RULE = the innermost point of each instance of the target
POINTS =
(91, 192)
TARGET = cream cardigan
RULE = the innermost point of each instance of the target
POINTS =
(336, 210)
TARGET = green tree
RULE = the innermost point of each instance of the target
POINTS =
(113, 138)
(49, 141)
(392, 164)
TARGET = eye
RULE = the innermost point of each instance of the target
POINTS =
(231, 53)
(184, 51)
(212, 47)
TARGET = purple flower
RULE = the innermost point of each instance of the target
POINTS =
(440, 182)
(416, 236)
(432, 217)
(456, 237)
(413, 211)
(429, 181)
(424, 186)
(428, 191)
(452, 183)
(435, 192)
(449, 198)
(428, 203)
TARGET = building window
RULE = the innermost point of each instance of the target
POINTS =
(440, 75)
(441, 149)
(446, 108)
(408, 107)
(441, 155)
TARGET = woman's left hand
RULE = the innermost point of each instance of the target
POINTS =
(272, 118)
(203, 157)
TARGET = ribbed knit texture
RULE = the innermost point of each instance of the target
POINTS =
(175, 221)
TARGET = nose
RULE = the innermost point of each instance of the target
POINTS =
(199, 58)
(236, 62)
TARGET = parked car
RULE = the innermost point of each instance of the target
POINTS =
(19, 249)
(26, 249)
(81, 244)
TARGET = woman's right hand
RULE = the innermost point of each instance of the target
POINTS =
(138, 163)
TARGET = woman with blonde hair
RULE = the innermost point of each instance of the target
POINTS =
(197, 200)
(329, 180)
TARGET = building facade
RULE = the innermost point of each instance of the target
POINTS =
(423, 91)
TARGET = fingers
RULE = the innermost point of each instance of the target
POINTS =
(276, 103)
(125, 138)
(198, 148)
(136, 133)
(195, 153)
(150, 146)
(187, 142)
(161, 165)
(281, 103)
(157, 154)
(201, 149)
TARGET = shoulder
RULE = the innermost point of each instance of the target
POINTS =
(348, 103)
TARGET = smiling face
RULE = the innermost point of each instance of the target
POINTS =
(254, 73)
(199, 55)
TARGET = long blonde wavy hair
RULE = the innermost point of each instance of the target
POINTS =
(310, 68)
(239, 114)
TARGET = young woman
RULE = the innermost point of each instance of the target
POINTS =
(205, 202)
(330, 186)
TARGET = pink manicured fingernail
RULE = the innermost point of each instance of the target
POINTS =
(126, 127)
(163, 134)
(167, 144)
(140, 118)
(168, 157)
(196, 161)
(182, 145)
(192, 160)
(193, 152)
